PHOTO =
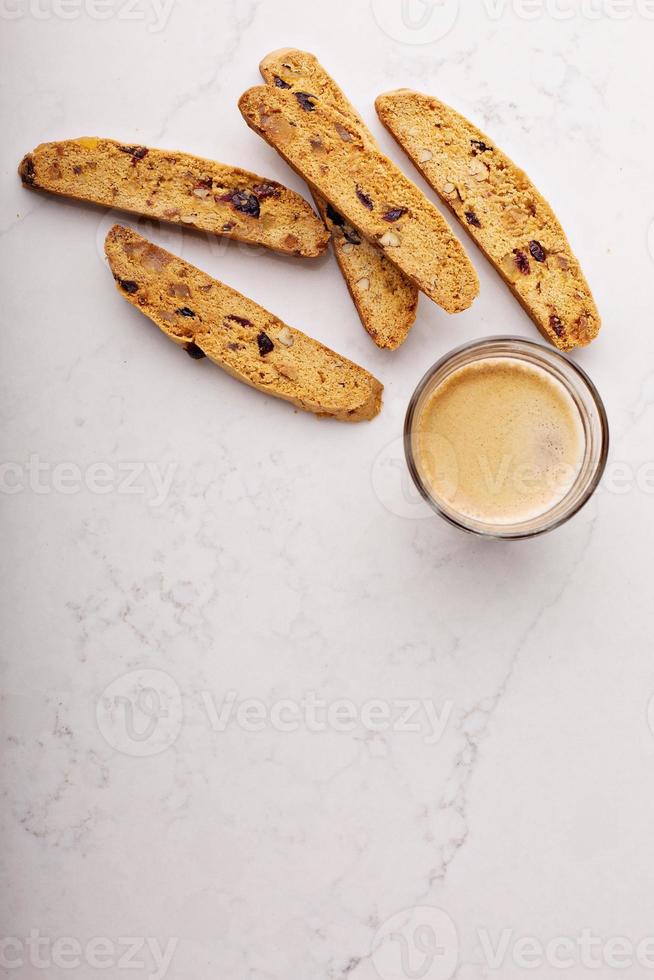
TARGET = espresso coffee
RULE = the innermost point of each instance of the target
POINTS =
(500, 440)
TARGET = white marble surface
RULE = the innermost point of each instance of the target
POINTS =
(285, 559)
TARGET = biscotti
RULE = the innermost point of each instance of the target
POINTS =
(210, 319)
(366, 188)
(503, 212)
(178, 188)
(300, 71)
(385, 299)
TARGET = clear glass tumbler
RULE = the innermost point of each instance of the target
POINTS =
(593, 421)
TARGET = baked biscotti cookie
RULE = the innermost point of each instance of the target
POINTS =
(501, 209)
(366, 188)
(385, 299)
(210, 319)
(300, 71)
(178, 188)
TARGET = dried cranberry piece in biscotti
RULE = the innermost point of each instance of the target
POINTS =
(194, 351)
(243, 321)
(334, 216)
(265, 343)
(557, 325)
(365, 199)
(522, 261)
(394, 214)
(351, 236)
(136, 152)
(304, 99)
(264, 191)
(481, 146)
(244, 202)
(26, 170)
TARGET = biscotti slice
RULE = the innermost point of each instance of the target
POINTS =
(210, 319)
(178, 188)
(385, 299)
(300, 71)
(335, 157)
(503, 212)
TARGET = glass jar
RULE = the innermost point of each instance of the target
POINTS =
(579, 387)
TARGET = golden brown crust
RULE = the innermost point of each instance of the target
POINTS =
(385, 299)
(336, 159)
(501, 210)
(178, 188)
(210, 319)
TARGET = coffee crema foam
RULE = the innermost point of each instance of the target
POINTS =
(499, 440)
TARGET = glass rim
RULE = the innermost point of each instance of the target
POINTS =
(495, 531)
